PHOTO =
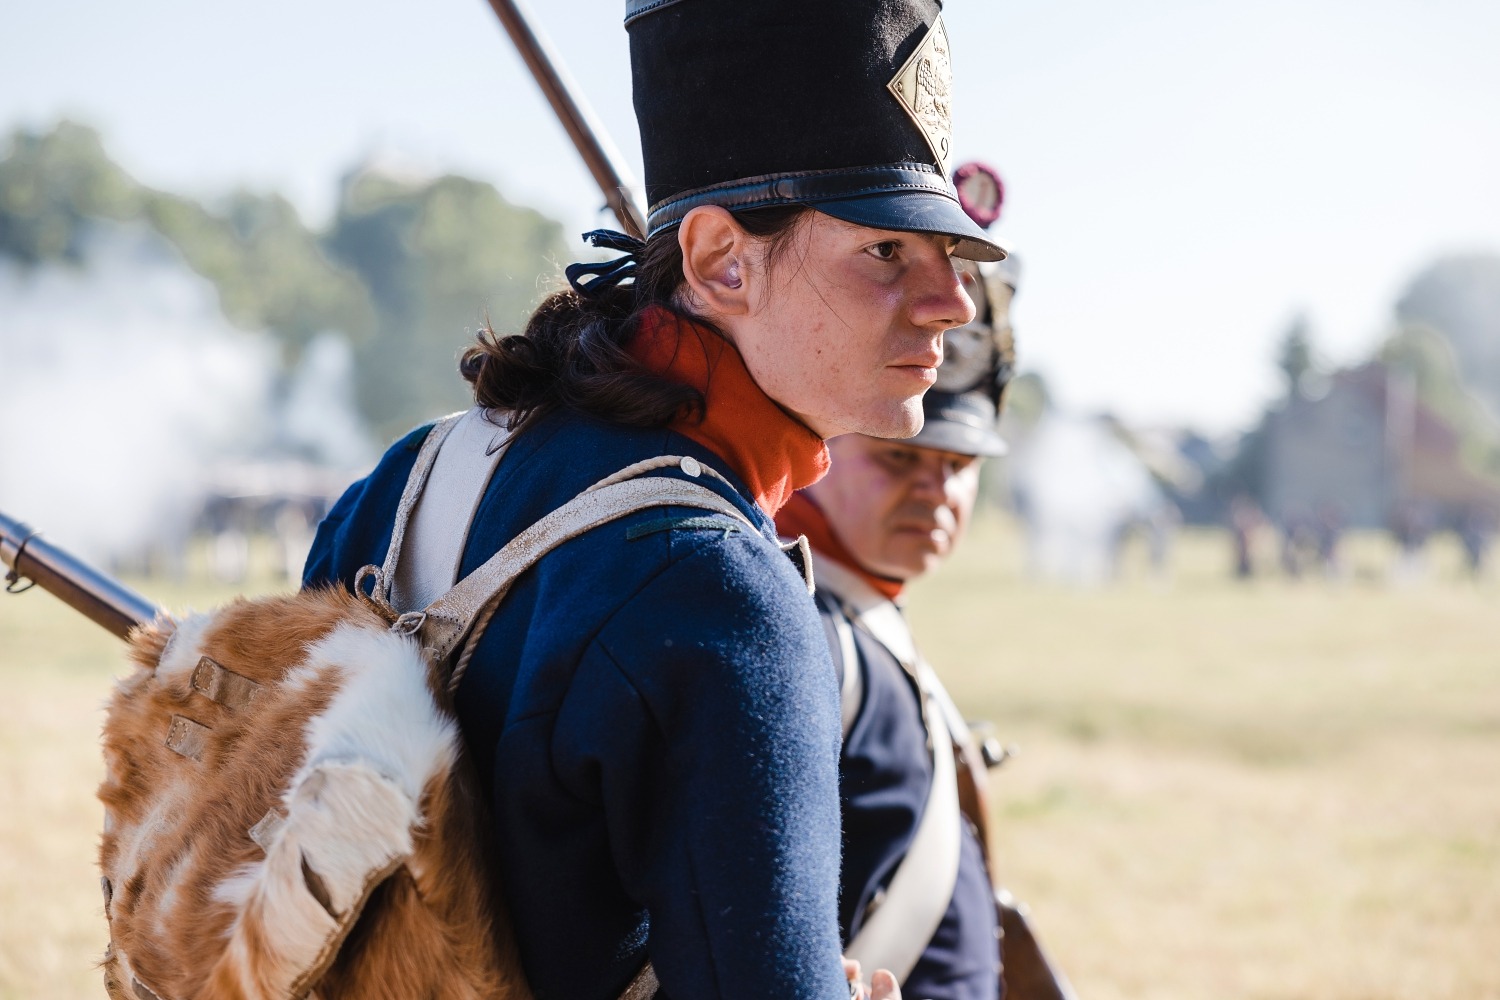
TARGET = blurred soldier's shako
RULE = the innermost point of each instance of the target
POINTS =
(962, 410)
(842, 106)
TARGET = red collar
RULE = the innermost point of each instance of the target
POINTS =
(772, 452)
(802, 516)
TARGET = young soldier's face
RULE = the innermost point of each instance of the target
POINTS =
(899, 509)
(846, 328)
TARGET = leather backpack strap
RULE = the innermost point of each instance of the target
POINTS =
(416, 480)
(917, 896)
(851, 678)
(467, 606)
(643, 986)
(439, 519)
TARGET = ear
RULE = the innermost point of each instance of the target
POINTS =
(715, 260)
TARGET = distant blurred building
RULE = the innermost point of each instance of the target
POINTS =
(1366, 449)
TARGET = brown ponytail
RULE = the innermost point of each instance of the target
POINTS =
(572, 352)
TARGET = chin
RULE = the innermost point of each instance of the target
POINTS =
(899, 420)
(906, 558)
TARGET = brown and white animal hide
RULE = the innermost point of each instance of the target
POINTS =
(287, 814)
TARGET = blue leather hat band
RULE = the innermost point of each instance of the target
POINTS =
(639, 8)
(902, 184)
(802, 187)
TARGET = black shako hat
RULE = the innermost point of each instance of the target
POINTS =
(841, 105)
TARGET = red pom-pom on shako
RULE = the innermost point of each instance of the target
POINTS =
(981, 192)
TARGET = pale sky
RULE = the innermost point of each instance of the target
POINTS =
(1182, 176)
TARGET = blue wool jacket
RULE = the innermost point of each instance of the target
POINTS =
(654, 713)
(885, 776)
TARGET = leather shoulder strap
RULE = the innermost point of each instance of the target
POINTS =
(439, 518)
(916, 899)
(851, 675)
(412, 492)
(450, 618)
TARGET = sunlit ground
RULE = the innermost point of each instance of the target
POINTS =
(1258, 790)
(1264, 790)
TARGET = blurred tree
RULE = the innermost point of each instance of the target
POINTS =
(1436, 371)
(267, 267)
(440, 258)
(270, 270)
(1295, 355)
(51, 185)
(1460, 297)
(1245, 473)
(1026, 399)
(408, 270)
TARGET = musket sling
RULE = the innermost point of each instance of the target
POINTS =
(916, 899)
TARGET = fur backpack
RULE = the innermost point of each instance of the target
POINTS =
(288, 811)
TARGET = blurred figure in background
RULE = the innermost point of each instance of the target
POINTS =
(1298, 541)
(1245, 522)
(1475, 532)
(1409, 528)
(1329, 532)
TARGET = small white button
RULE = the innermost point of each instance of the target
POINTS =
(691, 467)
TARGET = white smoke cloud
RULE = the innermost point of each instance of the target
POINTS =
(1077, 488)
(120, 383)
(318, 416)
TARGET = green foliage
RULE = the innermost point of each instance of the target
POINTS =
(1428, 358)
(1295, 355)
(268, 267)
(441, 260)
(51, 185)
(408, 271)
(1027, 398)
(1460, 297)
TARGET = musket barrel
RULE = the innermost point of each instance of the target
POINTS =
(599, 155)
(100, 598)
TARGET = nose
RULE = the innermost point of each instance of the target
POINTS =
(931, 479)
(941, 302)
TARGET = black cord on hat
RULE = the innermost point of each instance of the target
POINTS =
(606, 274)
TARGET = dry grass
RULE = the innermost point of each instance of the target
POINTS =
(1274, 790)
(55, 673)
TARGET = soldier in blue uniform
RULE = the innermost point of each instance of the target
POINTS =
(917, 898)
(652, 710)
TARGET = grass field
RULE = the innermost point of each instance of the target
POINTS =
(1273, 790)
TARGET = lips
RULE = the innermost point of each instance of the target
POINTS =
(925, 359)
(928, 522)
(927, 377)
(929, 539)
(923, 365)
